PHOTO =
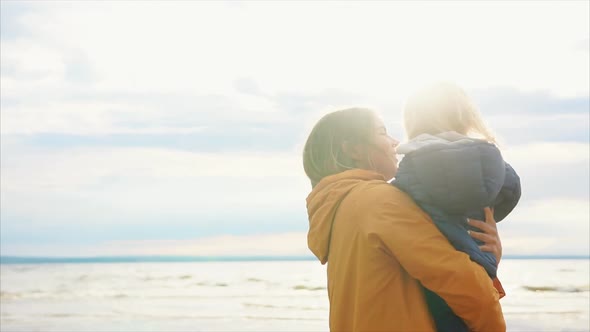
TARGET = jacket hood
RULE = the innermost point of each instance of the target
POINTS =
(323, 203)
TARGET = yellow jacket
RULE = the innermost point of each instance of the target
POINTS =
(379, 245)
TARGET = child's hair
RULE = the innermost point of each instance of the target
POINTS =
(443, 107)
(323, 154)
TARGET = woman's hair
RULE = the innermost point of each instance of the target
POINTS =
(323, 154)
(443, 107)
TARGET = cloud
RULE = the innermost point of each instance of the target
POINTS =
(278, 244)
(507, 101)
(386, 54)
(25, 60)
(522, 129)
(106, 193)
(11, 14)
(546, 169)
(75, 76)
(103, 115)
(549, 226)
(192, 125)
(583, 45)
(520, 117)
(222, 123)
(554, 216)
(548, 153)
(148, 193)
(76, 168)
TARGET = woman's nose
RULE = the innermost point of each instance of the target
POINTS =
(394, 142)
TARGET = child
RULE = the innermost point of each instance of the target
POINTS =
(453, 176)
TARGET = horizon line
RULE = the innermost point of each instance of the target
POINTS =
(8, 259)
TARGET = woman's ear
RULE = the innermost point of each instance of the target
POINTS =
(353, 151)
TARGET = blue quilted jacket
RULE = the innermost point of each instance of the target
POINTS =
(452, 178)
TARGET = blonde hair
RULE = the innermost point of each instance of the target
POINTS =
(323, 153)
(443, 107)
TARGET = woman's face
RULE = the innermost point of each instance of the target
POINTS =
(381, 153)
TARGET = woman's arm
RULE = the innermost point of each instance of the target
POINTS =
(409, 235)
(491, 240)
(489, 235)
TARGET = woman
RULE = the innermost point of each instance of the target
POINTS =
(379, 244)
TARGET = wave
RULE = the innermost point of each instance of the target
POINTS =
(7, 296)
(32, 294)
(14, 260)
(180, 277)
(290, 307)
(560, 289)
(210, 284)
(302, 287)
(520, 313)
(57, 295)
(282, 318)
(10, 296)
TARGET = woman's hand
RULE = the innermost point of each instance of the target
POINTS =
(490, 236)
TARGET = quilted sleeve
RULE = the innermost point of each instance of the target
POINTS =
(509, 195)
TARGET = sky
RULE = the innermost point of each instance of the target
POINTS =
(176, 128)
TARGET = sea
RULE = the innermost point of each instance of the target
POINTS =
(245, 295)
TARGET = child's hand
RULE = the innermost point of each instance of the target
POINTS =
(490, 236)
